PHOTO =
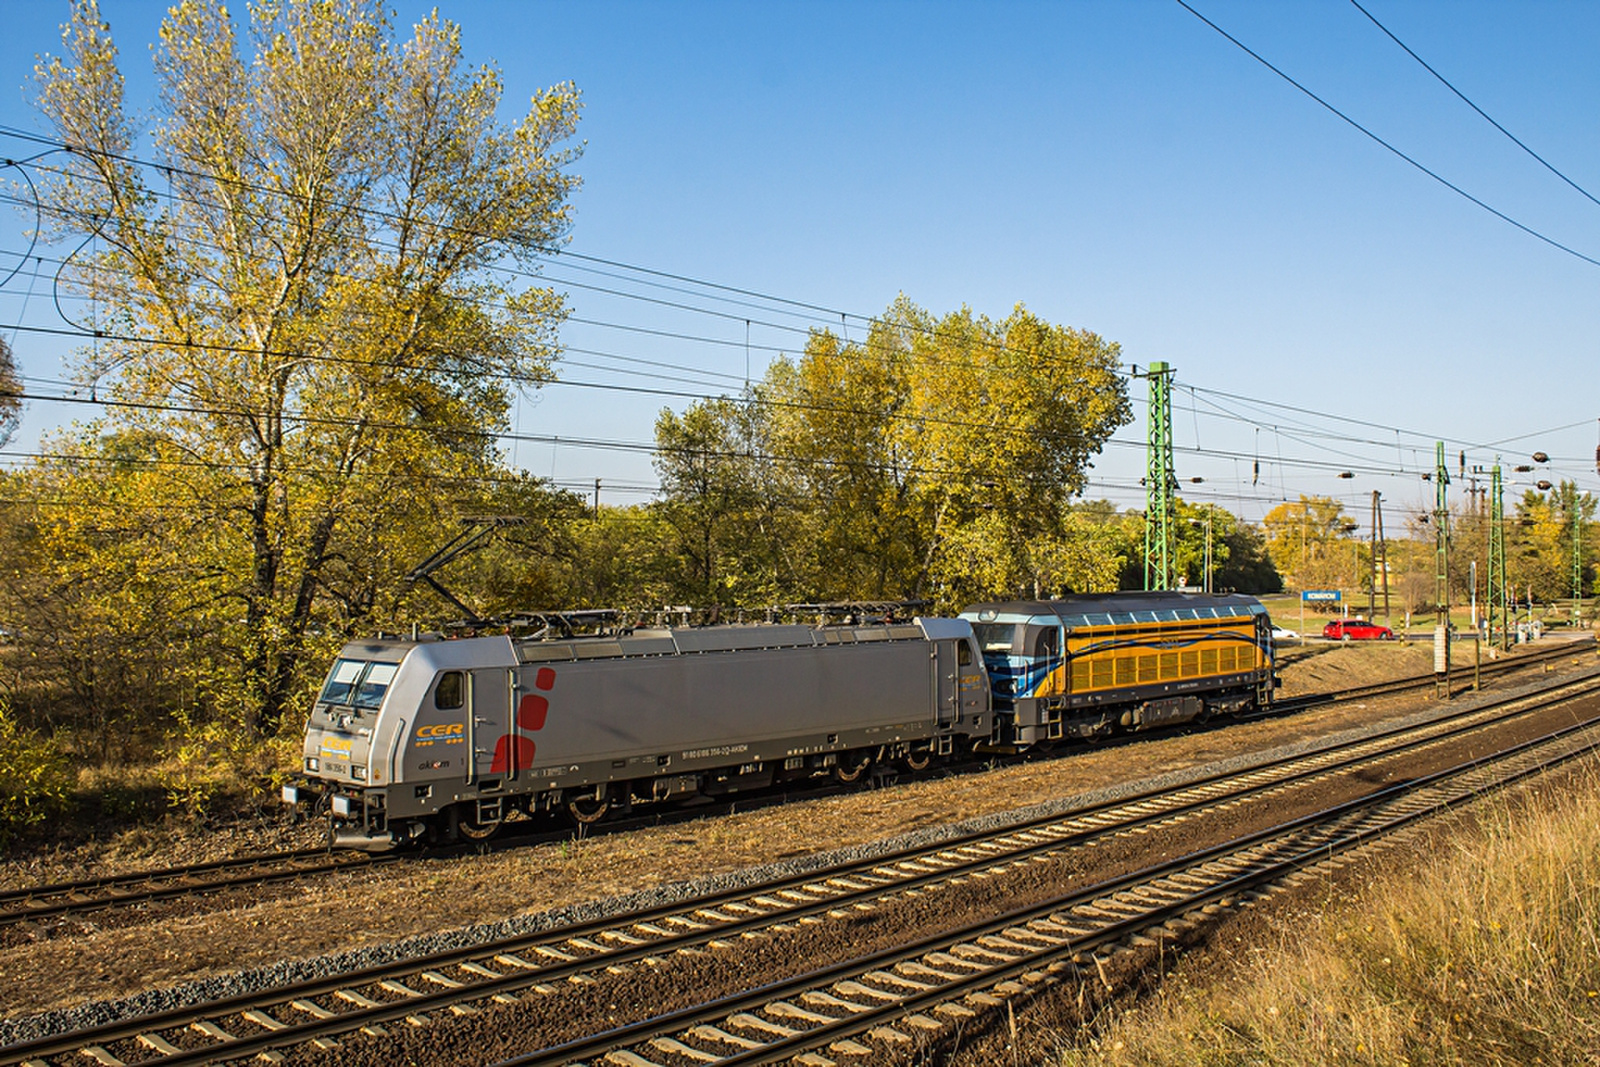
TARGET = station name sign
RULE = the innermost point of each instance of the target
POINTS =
(1333, 595)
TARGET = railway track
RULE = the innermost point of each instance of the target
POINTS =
(29, 909)
(1423, 681)
(858, 1007)
(410, 992)
(36, 904)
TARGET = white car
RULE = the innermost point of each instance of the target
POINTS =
(1280, 634)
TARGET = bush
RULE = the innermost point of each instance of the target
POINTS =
(34, 776)
(207, 760)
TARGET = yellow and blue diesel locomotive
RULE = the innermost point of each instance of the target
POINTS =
(1087, 666)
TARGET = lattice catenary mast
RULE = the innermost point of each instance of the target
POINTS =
(1160, 480)
(1497, 558)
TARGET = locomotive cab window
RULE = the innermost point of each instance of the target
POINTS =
(342, 681)
(448, 694)
(1047, 644)
(369, 694)
(995, 636)
(963, 653)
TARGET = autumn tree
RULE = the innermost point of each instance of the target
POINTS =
(938, 456)
(307, 327)
(1246, 566)
(1309, 543)
(1539, 552)
(10, 394)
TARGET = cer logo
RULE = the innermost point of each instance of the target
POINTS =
(454, 729)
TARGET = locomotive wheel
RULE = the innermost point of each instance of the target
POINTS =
(852, 767)
(471, 829)
(588, 809)
(918, 759)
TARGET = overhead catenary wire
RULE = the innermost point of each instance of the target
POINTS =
(1466, 100)
(719, 341)
(724, 342)
(727, 343)
(1437, 177)
(822, 315)
(1283, 464)
(857, 352)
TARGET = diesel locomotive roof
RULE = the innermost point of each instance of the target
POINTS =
(1103, 608)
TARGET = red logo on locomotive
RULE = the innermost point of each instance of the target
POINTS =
(532, 710)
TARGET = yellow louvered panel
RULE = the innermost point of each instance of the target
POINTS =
(1080, 675)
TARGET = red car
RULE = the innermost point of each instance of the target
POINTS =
(1356, 630)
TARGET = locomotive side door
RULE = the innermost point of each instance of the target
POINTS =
(963, 686)
(490, 730)
(947, 681)
(972, 681)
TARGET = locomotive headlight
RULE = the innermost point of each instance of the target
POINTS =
(344, 806)
(358, 772)
(313, 764)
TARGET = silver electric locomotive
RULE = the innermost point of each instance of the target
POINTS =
(441, 739)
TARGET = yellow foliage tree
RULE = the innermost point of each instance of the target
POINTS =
(1309, 542)
(931, 429)
(305, 329)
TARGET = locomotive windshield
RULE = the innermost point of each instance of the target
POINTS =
(995, 636)
(359, 683)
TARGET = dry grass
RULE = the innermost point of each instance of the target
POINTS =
(1489, 954)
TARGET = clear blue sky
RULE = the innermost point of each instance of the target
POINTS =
(1117, 166)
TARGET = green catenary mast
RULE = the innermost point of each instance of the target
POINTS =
(1160, 480)
(1497, 558)
(1577, 558)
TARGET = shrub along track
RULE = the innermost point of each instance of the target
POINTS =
(55, 909)
(561, 984)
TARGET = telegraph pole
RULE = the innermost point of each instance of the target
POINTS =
(1160, 478)
(1380, 559)
(1441, 558)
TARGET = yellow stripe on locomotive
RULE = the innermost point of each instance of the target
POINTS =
(1118, 657)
